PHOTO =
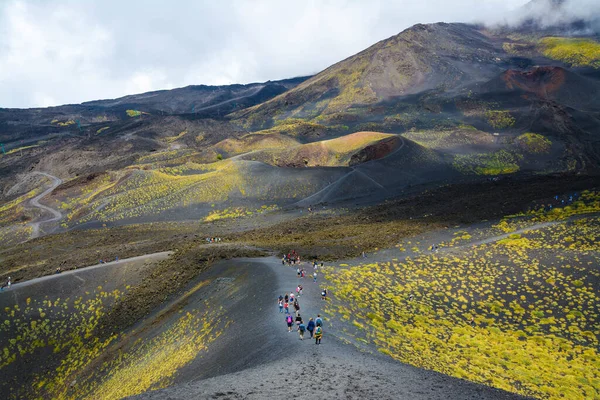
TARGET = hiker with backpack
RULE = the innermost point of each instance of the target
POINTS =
(319, 321)
(298, 320)
(280, 306)
(301, 330)
(296, 306)
(318, 335)
(289, 321)
(286, 305)
(311, 327)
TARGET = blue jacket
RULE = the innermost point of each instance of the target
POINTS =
(311, 325)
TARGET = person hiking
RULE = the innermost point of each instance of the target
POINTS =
(280, 306)
(286, 305)
(292, 298)
(301, 288)
(298, 319)
(298, 291)
(286, 298)
(324, 294)
(289, 321)
(311, 327)
(319, 321)
(318, 335)
(301, 330)
(9, 282)
(315, 277)
(298, 272)
(280, 298)
(296, 306)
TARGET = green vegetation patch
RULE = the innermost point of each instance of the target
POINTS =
(133, 113)
(18, 149)
(575, 51)
(533, 143)
(520, 314)
(588, 202)
(498, 163)
(499, 119)
(237, 212)
(63, 123)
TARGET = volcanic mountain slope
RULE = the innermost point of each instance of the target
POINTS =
(201, 99)
(421, 58)
(435, 104)
(169, 185)
(24, 125)
(445, 77)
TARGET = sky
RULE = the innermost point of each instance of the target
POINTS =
(56, 52)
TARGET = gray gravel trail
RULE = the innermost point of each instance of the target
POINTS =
(258, 359)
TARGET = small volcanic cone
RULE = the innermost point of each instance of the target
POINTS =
(543, 81)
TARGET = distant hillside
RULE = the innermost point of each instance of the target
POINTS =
(423, 57)
(201, 99)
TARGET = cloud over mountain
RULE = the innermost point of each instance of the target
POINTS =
(66, 51)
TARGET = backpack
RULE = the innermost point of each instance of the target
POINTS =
(289, 319)
(319, 322)
(302, 328)
(318, 332)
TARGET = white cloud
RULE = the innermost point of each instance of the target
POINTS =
(68, 51)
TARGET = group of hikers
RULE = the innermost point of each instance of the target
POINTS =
(293, 258)
(213, 239)
(314, 327)
(288, 303)
(290, 258)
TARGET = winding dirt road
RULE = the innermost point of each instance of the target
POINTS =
(35, 202)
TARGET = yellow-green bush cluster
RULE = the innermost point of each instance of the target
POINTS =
(499, 119)
(533, 300)
(533, 143)
(497, 163)
(237, 212)
(575, 51)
